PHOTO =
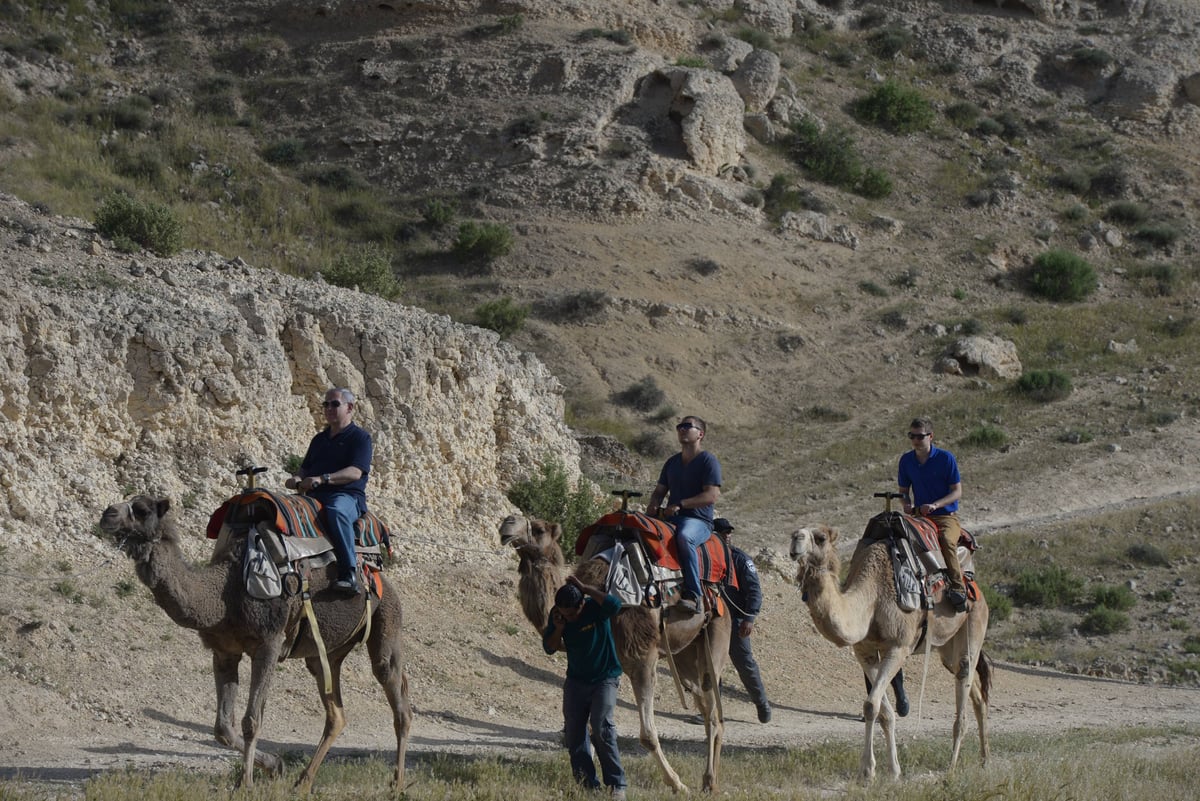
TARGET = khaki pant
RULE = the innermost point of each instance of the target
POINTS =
(949, 531)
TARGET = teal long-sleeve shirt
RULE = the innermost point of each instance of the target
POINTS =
(588, 641)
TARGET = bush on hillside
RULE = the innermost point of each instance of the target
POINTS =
(502, 316)
(1044, 386)
(1062, 276)
(483, 240)
(1115, 596)
(643, 396)
(129, 222)
(985, 436)
(285, 152)
(895, 108)
(367, 268)
(1103, 620)
(828, 155)
(1047, 586)
(549, 496)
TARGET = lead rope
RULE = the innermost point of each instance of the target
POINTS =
(326, 674)
(662, 621)
(712, 673)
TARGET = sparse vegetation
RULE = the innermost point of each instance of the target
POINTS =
(367, 268)
(488, 241)
(1062, 276)
(643, 396)
(131, 223)
(1044, 386)
(1048, 586)
(549, 495)
(895, 108)
(985, 436)
(830, 156)
(503, 315)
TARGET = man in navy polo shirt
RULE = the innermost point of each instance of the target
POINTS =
(334, 471)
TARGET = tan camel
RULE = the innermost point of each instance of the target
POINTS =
(865, 615)
(211, 599)
(695, 641)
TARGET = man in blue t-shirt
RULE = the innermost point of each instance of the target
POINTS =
(579, 624)
(691, 480)
(932, 474)
(335, 471)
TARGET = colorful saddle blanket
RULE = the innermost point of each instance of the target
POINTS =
(920, 531)
(658, 538)
(290, 515)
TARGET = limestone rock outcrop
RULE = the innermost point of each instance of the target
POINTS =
(125, 375)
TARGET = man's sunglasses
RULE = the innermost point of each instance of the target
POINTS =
(330, 404)
(911, 435)
(686, 426)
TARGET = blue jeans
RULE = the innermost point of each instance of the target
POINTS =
(594, 703)
(747, 666)
(690, 533)
(341, 511)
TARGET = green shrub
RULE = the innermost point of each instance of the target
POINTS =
(483, 240)
(549, 496)
(576, 305)
(1047, 586)
(1148, 554)
(872, 288)
(829, 155)
(1076, 213)
(760, 40)
(649, 444)
(889, 42)
(285, 152)
(1126, 212)
(989, 127)
(1062, 276)
(781, 196)
(1103, 620)
(643, 396)
(1044, 386)
(704, 266)
(502, 316)
(895, 108)
(438, 213)
(986, 436)
(131, 113)
(1114, 596)
(1091, 58)
(1157, 235)
(621, 37)
(1077, 181)
(291, 463)
(1191, 644)
(1160, 279)
(695, 62)
(963, 115)
(366, 268)
(1000, 606)
(1178, 326)
(875, 184)
(1111, 180)
(336, 177)
(150, 225)
(825, 414)
(1076, 436)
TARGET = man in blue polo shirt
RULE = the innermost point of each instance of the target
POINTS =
(335, 471)
(933, 475)
(579, 624)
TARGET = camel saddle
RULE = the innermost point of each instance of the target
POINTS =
(917, 561)
(642, 552)
(292, 516)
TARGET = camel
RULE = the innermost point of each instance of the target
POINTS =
(699, 645)
(865, 615)
(212, 600)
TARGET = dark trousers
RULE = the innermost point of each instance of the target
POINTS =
(897, 683)
(746, 666)
(593, 704)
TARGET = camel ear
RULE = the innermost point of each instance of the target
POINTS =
(162, 506)
(833, 535)
(556, 532)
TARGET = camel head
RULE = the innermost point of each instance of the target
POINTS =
(136, 523)
(814, 550)
(537, 542)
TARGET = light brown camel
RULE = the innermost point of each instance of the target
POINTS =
(212, 600)
(636, 632)
(864, 614)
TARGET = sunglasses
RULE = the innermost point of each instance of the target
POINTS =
(686, 426)
(911, 435)
(330, 404)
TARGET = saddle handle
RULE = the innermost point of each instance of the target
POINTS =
(250, 473)
(625, 495)
(887, 498)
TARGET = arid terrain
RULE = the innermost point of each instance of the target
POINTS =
(639, 254)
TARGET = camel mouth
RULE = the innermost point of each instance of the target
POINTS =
(514, 530)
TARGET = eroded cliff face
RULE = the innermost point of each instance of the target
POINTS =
(123, 375)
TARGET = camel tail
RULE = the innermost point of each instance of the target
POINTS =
(983, 669)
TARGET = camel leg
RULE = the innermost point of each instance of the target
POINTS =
(879, 707)
(981, 718)
(335, 716)
(385, 650)
(642, 678)
(262, 670)
(714, 731)
(225, 673)
(963, 689)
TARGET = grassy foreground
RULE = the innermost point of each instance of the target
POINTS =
(1081, 765)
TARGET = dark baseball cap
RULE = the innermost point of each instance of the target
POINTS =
(722, 526)
(568, 597)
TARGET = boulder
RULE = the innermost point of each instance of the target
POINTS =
(986, 356)
(757, 79)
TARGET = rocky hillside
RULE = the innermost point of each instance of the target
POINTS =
(126, 375)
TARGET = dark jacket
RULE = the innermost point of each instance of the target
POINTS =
(746, 598)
